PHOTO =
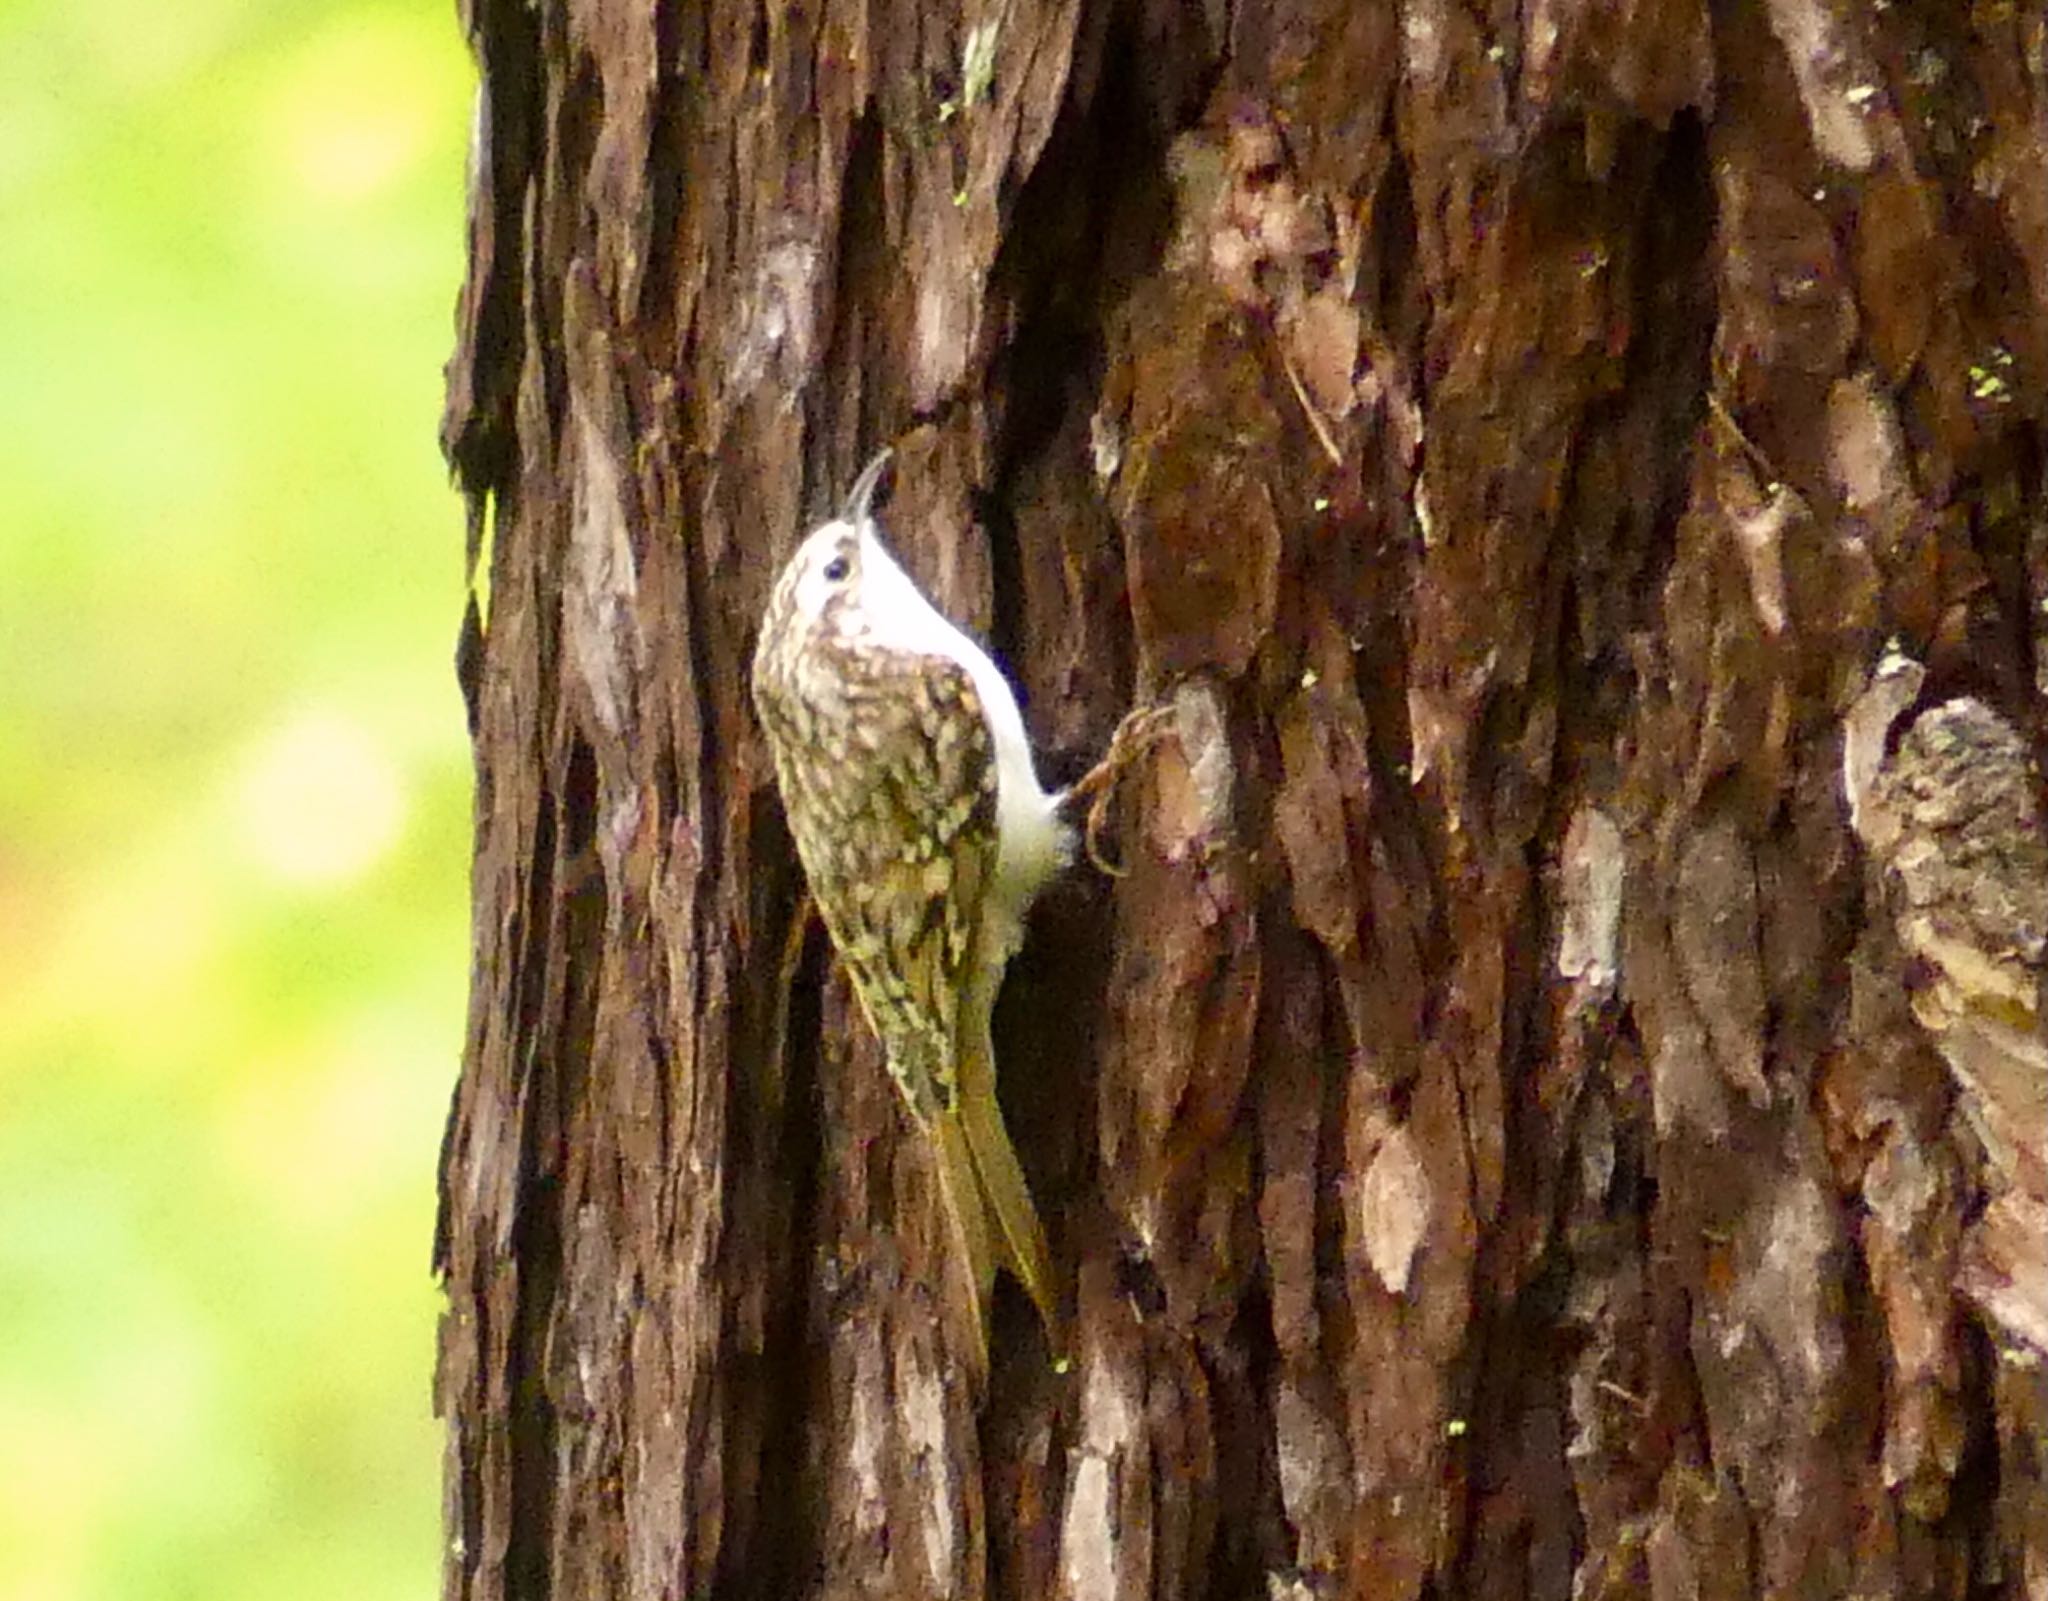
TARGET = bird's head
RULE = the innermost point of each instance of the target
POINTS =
(842, 571)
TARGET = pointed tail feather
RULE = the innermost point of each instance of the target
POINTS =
(973, 1256)
(1017, 1238)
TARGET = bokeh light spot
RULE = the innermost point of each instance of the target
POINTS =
(320, 801)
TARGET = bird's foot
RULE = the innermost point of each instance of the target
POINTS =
(1140, 730)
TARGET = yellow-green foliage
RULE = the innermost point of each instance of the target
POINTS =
(233, 791)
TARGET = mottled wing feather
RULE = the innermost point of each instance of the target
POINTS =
(894, 815)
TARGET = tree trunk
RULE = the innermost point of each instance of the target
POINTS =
(1555, 1104)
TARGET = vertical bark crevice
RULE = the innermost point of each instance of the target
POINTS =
(839, 406)
(770, 1541)
(530, 1443)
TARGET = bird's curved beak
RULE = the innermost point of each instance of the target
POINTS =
(864, 487)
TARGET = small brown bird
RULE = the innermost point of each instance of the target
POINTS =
(908, 781)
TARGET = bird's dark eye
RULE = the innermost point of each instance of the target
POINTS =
(836, 570)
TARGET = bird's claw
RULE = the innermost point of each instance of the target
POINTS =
(1137, 733)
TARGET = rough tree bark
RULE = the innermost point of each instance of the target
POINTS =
(1556, 1105)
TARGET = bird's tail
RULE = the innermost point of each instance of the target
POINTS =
(970, 1273)
(987, 1194)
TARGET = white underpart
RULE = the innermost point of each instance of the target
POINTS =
(897, 615)
(1032, 841)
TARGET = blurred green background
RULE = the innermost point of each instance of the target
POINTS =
(233, 791)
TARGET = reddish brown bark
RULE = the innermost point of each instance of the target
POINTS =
(1556, 1106)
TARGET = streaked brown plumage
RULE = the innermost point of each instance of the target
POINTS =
(924, 833)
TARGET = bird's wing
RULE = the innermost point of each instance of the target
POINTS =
(926, 839)
(894, 810)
